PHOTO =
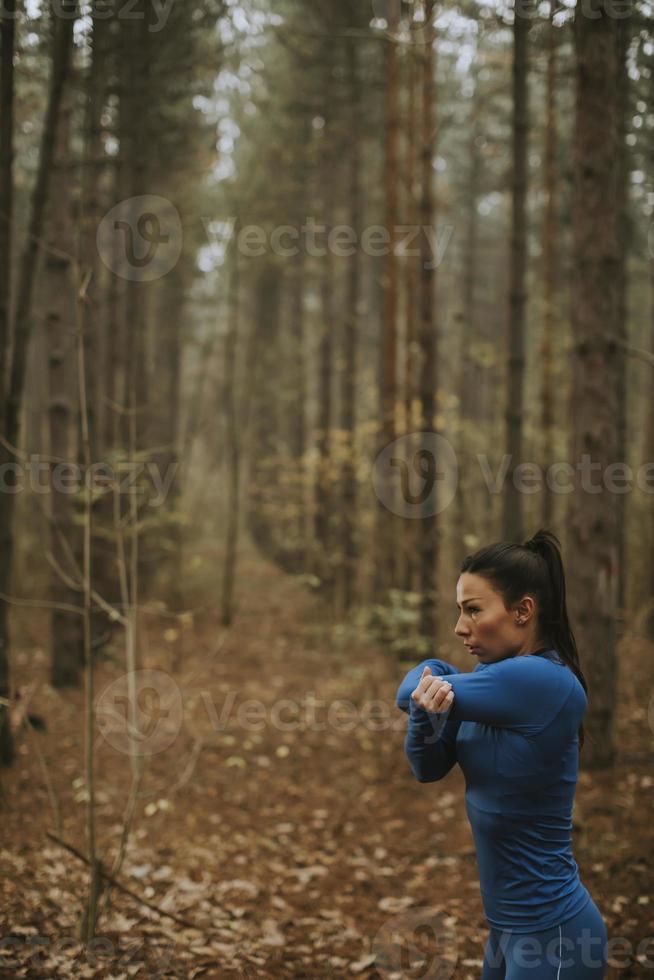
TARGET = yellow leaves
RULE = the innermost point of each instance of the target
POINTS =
(81, 794)
(271, 934)
(395, 903)
(156, 806)
(306, 875)
(360, 965)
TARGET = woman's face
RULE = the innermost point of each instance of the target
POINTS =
(487, 628)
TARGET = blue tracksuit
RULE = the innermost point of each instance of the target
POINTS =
(512, 727)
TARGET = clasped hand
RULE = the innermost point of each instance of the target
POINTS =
(433, 693)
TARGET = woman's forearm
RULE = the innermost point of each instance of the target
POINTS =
(430, 744)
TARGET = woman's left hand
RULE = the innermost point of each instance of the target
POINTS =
(433, 693)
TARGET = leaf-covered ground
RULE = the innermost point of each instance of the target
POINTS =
(289, 836)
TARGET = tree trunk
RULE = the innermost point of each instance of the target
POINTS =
(593, 521)
(410, 535)
(469, 499)
(300, 530)
(109, 434)
(233, 443)
(101, 343)
(624, 233)
(165, 540)
(7, 38)
(7, 41)
(348, 494)
(428, 381)
(58, 284)
(264, 464)
(550, 265)
(386, 555)
(512, 516)
(648, 457)
(61, 54)
(410, 265)
(134, 124)
(324, 490)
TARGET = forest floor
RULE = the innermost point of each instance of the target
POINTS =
(291, 844)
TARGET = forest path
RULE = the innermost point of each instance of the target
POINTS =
(292, 833)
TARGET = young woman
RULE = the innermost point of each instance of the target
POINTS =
(514, 725)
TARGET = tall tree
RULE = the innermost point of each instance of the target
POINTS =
(386, 561)
(324, 443)
(348, 376)
(58, 290)
(7, 42)
(233, 444)
(427, 329)
(297, 382)
(409, 538)
(514, 415)
(550, 264)
(470, 375)
(624, 231)
(62, 43)
(265, 460)
(593, 535)
(100, 343)
(649, 427)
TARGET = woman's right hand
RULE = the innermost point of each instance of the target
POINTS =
(433, 693)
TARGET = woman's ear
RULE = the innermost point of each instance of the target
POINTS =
(524, 610)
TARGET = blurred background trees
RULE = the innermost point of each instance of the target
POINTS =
(372, 220)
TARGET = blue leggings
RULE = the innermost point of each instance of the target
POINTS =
(574, 950)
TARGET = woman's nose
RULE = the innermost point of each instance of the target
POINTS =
(459, 629)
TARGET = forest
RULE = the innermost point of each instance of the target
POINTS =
(300, 305)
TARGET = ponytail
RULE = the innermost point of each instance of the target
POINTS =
(553, 619)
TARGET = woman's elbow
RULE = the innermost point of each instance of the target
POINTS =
(429, 775)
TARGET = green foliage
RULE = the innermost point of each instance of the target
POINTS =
(395, 624)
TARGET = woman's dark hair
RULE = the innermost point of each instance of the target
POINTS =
(533, 568)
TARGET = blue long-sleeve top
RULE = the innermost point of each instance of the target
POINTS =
(512, 727)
